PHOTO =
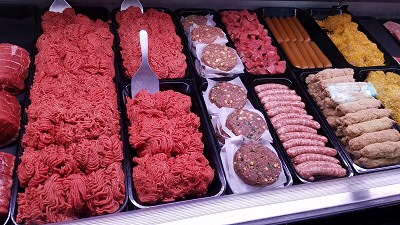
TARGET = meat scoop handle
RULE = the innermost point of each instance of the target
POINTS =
(59, 6)
(128, 3)
(144, 78)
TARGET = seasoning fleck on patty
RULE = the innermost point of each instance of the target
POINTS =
(225, 94)
(193, 19)
(206, 34)
(219, 57)
(246, 123)
(257, 165)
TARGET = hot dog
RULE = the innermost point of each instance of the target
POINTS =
(297, 53)
(298, 150)
(280, 29)
(263, 87)
(294, 28)
(287, 28)
(317, 62)
(293, 59)
(303, 31)
(314, 157)
(302, 142)
(305, 135)
(285, 109)
(295, 128)
(304, 53)
(296, 121)
(273, 29)
(325, 61)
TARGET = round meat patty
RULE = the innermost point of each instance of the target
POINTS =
(219, 57)
(193, 19)
(206, 34)
(225, 94)
(246, 123)
(257, 165)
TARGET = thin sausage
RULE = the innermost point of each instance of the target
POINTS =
(285, 109)
(296, 121)
(294, 28)
(314, 157)
(298, 150)
(305, 135)
(288, 31)
(295, 62)
(276, 92)
(272, 104)
(280, 29)
(290, 115)
(287, 97)
(314, 57)
(302, 142)
(301, 29)
(263, 87)
(325, 61)
(295, 128)
(304, 53)
(273, 29)
(309, 170)
(297, 53)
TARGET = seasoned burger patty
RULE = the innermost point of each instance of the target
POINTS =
(193, 19)
(246, 123)
(257, 165)
(229, 95)
(206, 34)
(219, 57)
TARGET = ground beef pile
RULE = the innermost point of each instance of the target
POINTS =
(170, 162)
(252, 43)
(71, 166)
(165, 46)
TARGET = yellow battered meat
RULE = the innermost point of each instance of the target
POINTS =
(388, 89)
(352, 43)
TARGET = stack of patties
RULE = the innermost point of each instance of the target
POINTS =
(357, 117)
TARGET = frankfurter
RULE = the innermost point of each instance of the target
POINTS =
(273, 29)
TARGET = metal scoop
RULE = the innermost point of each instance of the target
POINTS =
(127, 3)
(59, 6)
(144, 78)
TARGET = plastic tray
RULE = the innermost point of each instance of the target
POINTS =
(324, 130)
(93, 13)
(388, 41)
(274, 42)
(321, 14)
(218, 185)
(122, 79)
(331, 52)
(289, 177)
(358, 76)
(18, 26)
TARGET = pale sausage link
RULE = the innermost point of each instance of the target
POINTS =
(314, 157)
(295, 128)
(272, 104)
(263, 87)
(290, 115)
(298, 150)
(276, 92)
(296, 121)
(287, 97)
(309, 170)
(297, 135)
(285, 109)
(302, 142)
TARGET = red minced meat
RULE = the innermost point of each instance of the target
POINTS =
(72, 161)
(252, 42)
(165, 46)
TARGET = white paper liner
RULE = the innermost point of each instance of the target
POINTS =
(210, 22)
(193, 45)
(236, 184)
(211, 107)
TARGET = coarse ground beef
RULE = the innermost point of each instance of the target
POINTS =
(165, 46)
(71, 166)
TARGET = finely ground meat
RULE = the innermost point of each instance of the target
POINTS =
(165, 46)
(165, 134)
(71, 166)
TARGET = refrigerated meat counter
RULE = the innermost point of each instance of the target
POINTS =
(118, 163)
